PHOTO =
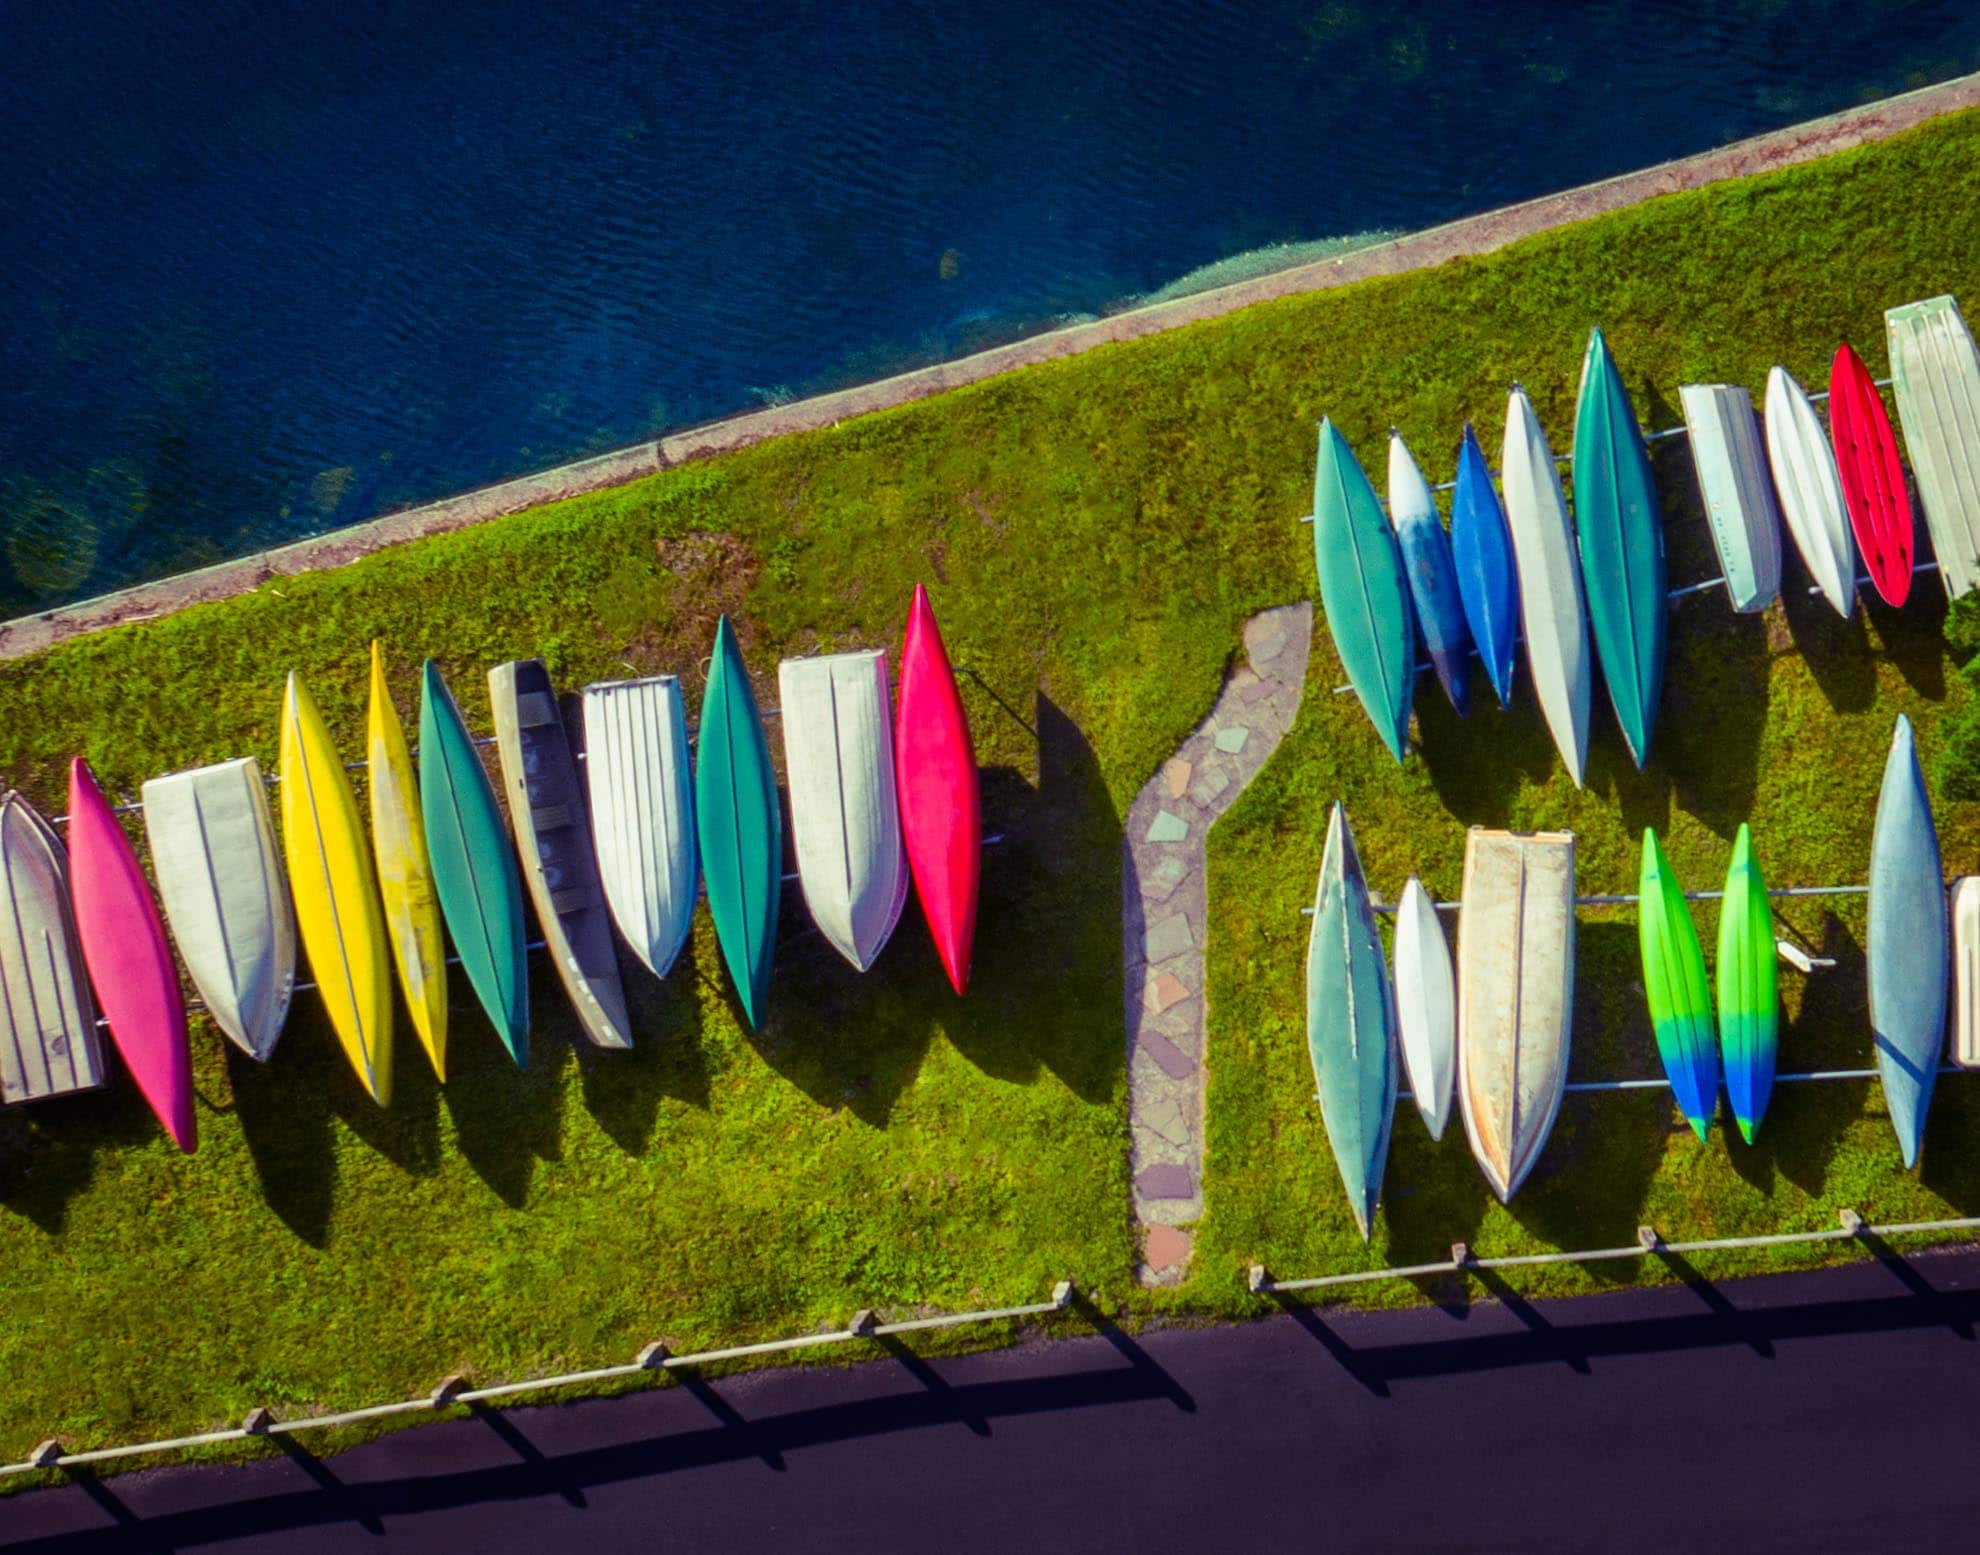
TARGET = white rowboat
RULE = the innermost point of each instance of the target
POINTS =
(49, 1042)
(1966, 972)
(642, 812)
(226, 897)
(1515, 971)
(1553, 615)
(1935, 371)
(845, 822)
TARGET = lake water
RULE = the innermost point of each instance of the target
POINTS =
(269, 268)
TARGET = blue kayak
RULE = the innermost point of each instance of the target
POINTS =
(1909, 961)
(1481, 553)
(1351, 1023)
(1433, 585)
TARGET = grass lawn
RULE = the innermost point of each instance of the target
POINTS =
(1093, 532)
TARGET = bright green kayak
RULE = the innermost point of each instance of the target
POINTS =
(1622, 546)
(739, 824)
(474, 864)
(1351, 1023)
(1674, 981)
(1363, 588)
(1749, 1006)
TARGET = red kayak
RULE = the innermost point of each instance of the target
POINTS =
(130, 965)
(1872, 479)
(935, 771)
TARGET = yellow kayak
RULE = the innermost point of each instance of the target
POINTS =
(405, 877)
(336, 895)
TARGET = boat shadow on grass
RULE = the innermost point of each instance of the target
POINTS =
(48, 1152)
(1842, 655)
(1044, 990)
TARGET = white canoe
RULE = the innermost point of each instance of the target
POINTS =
(1738, 490)
(642, 812)
(1426, 1006)
(1810, 488)
(1936, 373)
(226, 897)
(1553, 615)
(1515, 974)
(50, 1043)
(1966, 972)
(845, 823)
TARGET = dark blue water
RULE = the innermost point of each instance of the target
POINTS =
(267, 268)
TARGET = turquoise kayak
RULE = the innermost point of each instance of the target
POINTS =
(474, 864)
(739, 824)
(1351, 1031)
(1622, 546)
(1909, 959)
(1363, 589)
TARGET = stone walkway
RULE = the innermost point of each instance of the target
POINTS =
(1163, 925)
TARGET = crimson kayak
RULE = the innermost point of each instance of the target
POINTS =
(935, 772)
(130, 965)
(1872, 480)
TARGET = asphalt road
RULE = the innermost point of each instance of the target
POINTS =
(1810, 1412)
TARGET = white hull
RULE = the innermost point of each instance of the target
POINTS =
(1811, 491)
(642, 812)
(1515, 996)
(1426, 1006)
(1553, 615)
(1966, 972)
(845, 822)
(1738, 490)
(1935, 370)
(225, 895)
(50, 1044)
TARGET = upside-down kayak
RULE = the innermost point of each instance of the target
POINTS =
(1363, 589)
(1622, 547)
(1433, 585)
(1749, 1004)
(941, 810)
(1482, 554)
(1872, 479)
(739, 825)
(1674, 985)
(130, 964)
(1351, 1023)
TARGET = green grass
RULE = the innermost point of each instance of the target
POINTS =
(1094, 531)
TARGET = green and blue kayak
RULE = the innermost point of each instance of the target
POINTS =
(1363, 589)
(474, 864)
(739, 824)
(1351, 1023)
(1622, 546)
(1674, 982)
(1749, 1004)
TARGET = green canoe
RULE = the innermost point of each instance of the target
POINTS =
(474, 864)
(1363, 588)
(1674, 981)
(739, 824)
(1749, 1005)
(1622, 546)
(1351, 1023)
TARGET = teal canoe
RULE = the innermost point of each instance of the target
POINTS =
(1622, 546)
(738, 824)
(1749, 1003)
(474, 864)
(1363, 588)
(1351, 1028)
(1910, 962)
